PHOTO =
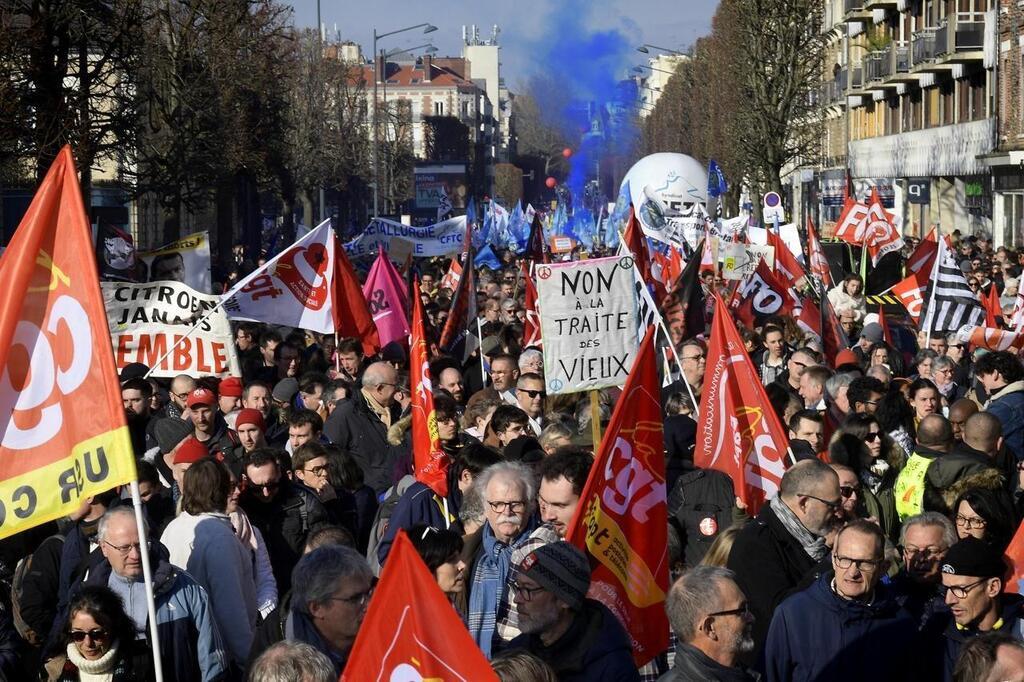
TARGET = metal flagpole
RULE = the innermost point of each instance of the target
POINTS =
(187, 334)
(480, 335)
(147, 577)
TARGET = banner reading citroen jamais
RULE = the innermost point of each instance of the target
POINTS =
(63, 435)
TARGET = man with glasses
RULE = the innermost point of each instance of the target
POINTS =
(776, 553)
(191, 646)
(508, 493)
(710, 615)
(530, 394)
(864, 394)
(333, 586)
(181, 386)
(847, 625)
(924, 540)
(972, 579)
(578, 637)
(285, 513)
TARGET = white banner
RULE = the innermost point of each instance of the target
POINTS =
(186, 260)
(440, 239)
(146, 320)
(740, 260)
(588, 320)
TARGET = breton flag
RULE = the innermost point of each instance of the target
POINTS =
(411, 632)
(63, 435)
(738, 432)
(429, 461)
(621, 520)
(949, 303)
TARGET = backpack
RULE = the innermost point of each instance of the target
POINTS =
(383, 517)
(17, 591)
(701, 506)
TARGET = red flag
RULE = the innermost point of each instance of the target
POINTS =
(762, 294)
(818, 263)
(910, 291)
(738, 432)
(429, 461)
(886, 333)
(996, 339)
(458, 338)
(536, 246)
(451, 278)
(850, 226)
(1014, 556)
(834, 338)
(531, 326)
(410, 631)
(923, 258)
(63, 435)
(880, 233)
(786, 263)
(634, 240)
(352, 318)
(387, 299)
(621, 521)
(993, 311)
(707, 257)
(675, 265)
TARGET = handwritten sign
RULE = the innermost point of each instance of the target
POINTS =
(740, 260)
(588, 322)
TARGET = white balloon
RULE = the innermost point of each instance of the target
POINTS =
(667, 182)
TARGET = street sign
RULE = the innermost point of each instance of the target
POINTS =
(771, 208)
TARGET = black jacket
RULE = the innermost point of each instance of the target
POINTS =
(693, 664)
(354, 427)
(680, 439)
(770, 565)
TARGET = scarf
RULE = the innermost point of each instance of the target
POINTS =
(97, 670)
(488, 586)
(300, 628)
(812, 544)
(383, 413)
(243, 529)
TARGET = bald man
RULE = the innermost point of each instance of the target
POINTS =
(360, 426)
(934, 439)
(959, 411)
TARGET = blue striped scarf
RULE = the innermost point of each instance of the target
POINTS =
(488, 586)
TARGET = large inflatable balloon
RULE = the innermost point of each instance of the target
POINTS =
(666, 186)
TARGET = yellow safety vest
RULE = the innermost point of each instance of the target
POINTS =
(909, 488)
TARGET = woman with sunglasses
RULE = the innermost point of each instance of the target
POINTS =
(986, 514)
(100, 641)
(861, 444)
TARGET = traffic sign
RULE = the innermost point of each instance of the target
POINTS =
(771, 208)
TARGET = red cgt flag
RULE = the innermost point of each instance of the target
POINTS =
(352, 317)
(993, 311)
(63, 435)
(737, 430)
(429, 460)
(410, 631)
(621, 521)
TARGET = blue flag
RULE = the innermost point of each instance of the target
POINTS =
(486, 258)
(717, 186)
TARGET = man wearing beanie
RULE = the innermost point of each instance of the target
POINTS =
(579, 638)
(229, 399)
(170, 433)
(972, 578)
(250, 427)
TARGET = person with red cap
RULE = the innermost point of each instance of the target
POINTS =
(187, 453)
(250, 427)
(229, 398)
(209, 427)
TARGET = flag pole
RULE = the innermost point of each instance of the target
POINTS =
(480, 335)
(147, 578)
(187, 334)
(595, 418)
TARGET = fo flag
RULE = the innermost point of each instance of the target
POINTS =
(63, 435)
(429, 460)
(622, 518)
(762, 294)
(869, 226)
(411, 631)
(386, 295)
(738, 432)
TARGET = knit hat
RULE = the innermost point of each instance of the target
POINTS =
(133, 370)
(561, 569)
(231, 387)
(975, 558)
(201, 396)
(170, 431)
(525, 449)
(190, 451)
(846, 357)
(285, 390)
(872, 332)
(250, 416)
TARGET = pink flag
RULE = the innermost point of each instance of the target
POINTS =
(386, 292)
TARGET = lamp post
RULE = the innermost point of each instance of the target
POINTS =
(427, 28)
(640, 69)
(647, 47)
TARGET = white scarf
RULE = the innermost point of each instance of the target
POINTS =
(98, 670)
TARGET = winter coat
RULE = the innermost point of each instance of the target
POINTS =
(354, 427)
(841, 301)
(1007, 404)
(770, 564)
(595, 648)
(954, 638)
(206, 546)
(418, 504)
(693, 664)
(818, 635)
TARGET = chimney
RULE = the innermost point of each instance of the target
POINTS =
(428, 67)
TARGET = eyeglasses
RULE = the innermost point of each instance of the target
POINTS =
(874, 435)
(97, 635)
(515, 506)
(125, 550)
(925, 553)
(525, 592)
(831, 505)
(864, 565)
(320, 470)
(848, 491)
(960, 591)
(358, 600)
(532, 393)
(695, 358)
(742, 610)
(181, 396)
(970, 522)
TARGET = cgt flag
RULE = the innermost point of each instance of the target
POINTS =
(738, 432)
(622, 517)
(411, 632)
(429, 460)
(64, 436)
(1014, 557)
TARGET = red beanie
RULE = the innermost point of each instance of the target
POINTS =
(250, 416)
(190, 451)
(230, 387)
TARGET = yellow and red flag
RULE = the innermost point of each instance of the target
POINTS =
(429, 461)
(738, 432)
(63, 435)
(621, 521)
(411, 631)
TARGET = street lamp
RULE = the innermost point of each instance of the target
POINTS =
(640, 69)
(427, 28)
(644, 48)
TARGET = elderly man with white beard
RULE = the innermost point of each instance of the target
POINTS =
(508, 494)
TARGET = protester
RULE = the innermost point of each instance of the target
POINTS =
(291, 661)
(1002, 376)
(562, 477)
(925, 539)
(441, 550)
(994, 656)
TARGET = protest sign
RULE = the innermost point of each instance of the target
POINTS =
(740, 260)
(186, 260)
(588, 322)
(440, 239)
(147, 320)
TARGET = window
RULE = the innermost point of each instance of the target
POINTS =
(438, 108)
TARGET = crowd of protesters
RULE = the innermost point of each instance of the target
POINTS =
(272, 501)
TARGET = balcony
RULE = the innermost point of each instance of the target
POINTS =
(881, 4)
(922, 46)
(961, 37)
(855, 10)
(901, 58)
(857, 77)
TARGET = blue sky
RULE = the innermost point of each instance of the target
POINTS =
(673, 24)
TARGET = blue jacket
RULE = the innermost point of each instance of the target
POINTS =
(1007, 405)
(954, 637)
(817, 635)
(418, 504)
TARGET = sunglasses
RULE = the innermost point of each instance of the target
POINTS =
(97, 635)
(872, 437)
(848, 490)
(533, 394)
